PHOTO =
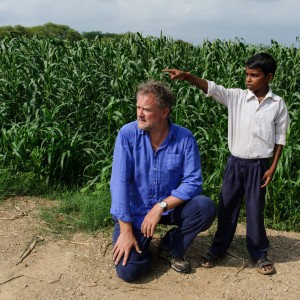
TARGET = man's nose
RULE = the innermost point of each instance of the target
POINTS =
(139, 112)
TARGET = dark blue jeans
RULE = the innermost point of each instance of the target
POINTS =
(242, 178)
(190, 218)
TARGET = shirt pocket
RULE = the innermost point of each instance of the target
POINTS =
(171, 171)
(174, 162)
(265, 129)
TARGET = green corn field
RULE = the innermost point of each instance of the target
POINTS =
(62, 104)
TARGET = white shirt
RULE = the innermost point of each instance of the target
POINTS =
(253, 128)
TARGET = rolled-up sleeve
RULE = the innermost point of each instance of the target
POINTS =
(120, 178)
(281, 124)
(191, 181)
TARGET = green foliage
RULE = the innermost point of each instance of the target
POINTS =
(62, 103)
(48, 30)
(92, 35)
(14, 183)
(77, 211)
(51, 30)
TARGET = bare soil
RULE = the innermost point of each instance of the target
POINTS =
(81, 267)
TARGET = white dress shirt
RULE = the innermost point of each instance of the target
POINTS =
(253, 128)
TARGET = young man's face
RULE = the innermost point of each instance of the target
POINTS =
(257, 81)
(149, 115)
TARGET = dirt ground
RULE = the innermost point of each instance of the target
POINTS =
(35, 264)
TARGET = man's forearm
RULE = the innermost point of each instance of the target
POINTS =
(125, 227)
(198, 82)
(173, 202)
(276, 156)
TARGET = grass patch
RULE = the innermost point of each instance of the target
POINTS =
(78, 211)
(20, 184)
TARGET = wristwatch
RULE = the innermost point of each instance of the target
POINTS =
(163, 205)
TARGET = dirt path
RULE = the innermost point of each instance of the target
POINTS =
(81, 267)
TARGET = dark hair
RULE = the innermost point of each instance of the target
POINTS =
(264, 61)
(162, 93)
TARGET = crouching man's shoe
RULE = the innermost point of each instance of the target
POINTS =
(179, 265)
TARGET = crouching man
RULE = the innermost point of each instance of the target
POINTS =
(156, 179)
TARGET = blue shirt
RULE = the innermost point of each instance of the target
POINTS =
(141, 177)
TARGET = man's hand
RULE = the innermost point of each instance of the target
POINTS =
(176, 74)
(267, 178)
(126, 241)
(202, 84)
(151, 220)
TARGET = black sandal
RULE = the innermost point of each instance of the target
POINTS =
(209, 260)
(261, 265)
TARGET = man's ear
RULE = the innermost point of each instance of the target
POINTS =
(165, 112)
(270, 77)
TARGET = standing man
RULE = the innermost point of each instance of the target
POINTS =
(156, 179)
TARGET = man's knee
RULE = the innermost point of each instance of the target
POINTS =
(131, 272)
(208, 205)
(126, 273)
(206, 208)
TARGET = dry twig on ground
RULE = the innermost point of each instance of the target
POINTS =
(29, 248)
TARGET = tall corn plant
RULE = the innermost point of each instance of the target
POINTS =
(63, 103)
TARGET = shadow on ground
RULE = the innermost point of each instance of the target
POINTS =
(282, 250)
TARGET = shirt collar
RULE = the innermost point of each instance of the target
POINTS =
(250, 95)
(172, 130)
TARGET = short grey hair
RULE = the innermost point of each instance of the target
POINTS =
(163, 95)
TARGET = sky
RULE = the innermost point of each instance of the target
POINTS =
(253, 21)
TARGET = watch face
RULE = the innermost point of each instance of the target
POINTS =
(163, 205)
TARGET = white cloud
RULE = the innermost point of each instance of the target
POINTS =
(191, 20)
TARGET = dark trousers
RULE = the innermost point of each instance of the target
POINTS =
(242, 177)
(190, 218)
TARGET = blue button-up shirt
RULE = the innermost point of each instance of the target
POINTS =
(142, 177)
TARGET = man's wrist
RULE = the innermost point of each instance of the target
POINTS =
(163, 205)
(125, 226)
(187, 75)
